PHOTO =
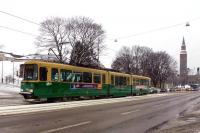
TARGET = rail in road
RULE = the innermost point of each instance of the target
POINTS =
(21, 109)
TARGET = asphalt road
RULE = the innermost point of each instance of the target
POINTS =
(139, 116)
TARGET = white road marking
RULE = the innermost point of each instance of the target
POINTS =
(129, 112)
(66, 127)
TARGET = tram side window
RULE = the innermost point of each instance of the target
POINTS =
(137, 82)
(117, 80)
(87, 77)
(77, 77)
(31, 72)
(97, 78)
(122, 81)
(112, 80)
(146, 82)
(66, 75)
(142, 82)
(103, 79)
(43, 74)
(127, 81)
(54, 74)
(134, 82)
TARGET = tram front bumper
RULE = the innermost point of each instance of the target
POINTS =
(27, 95)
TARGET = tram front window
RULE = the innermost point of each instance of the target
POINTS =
(31, 72)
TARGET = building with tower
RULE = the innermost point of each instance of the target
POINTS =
(183, 64)
(185, 77)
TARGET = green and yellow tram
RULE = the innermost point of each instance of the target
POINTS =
(54, 80)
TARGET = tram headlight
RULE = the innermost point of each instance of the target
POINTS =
(30, 90)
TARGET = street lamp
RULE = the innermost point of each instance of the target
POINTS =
(187, 24)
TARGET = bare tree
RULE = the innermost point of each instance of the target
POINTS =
(83, 55)
(83, 36)
(123, 61)
(140, 56)
(53, 37)
(160, 67)
(132, 60)
(86, 39)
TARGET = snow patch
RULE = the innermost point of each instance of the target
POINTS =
(4, 94)
(9, 88)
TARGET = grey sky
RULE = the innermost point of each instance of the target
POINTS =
(121, 19)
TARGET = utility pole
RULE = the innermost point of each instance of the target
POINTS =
(13, 72)
(2, 72)
(98, 55)
(98, 50)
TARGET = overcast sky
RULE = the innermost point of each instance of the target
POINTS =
(121, 19)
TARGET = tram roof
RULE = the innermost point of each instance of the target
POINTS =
(60, 65)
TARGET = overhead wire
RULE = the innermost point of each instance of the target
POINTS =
(150, 31)
(16, 30)
(186, 23)
(156, 29)
(8, 28)
(15, 16)
(115, 39)
(145, 32)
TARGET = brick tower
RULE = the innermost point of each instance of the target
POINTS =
(183, 64)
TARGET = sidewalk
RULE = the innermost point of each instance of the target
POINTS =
(9, 88)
